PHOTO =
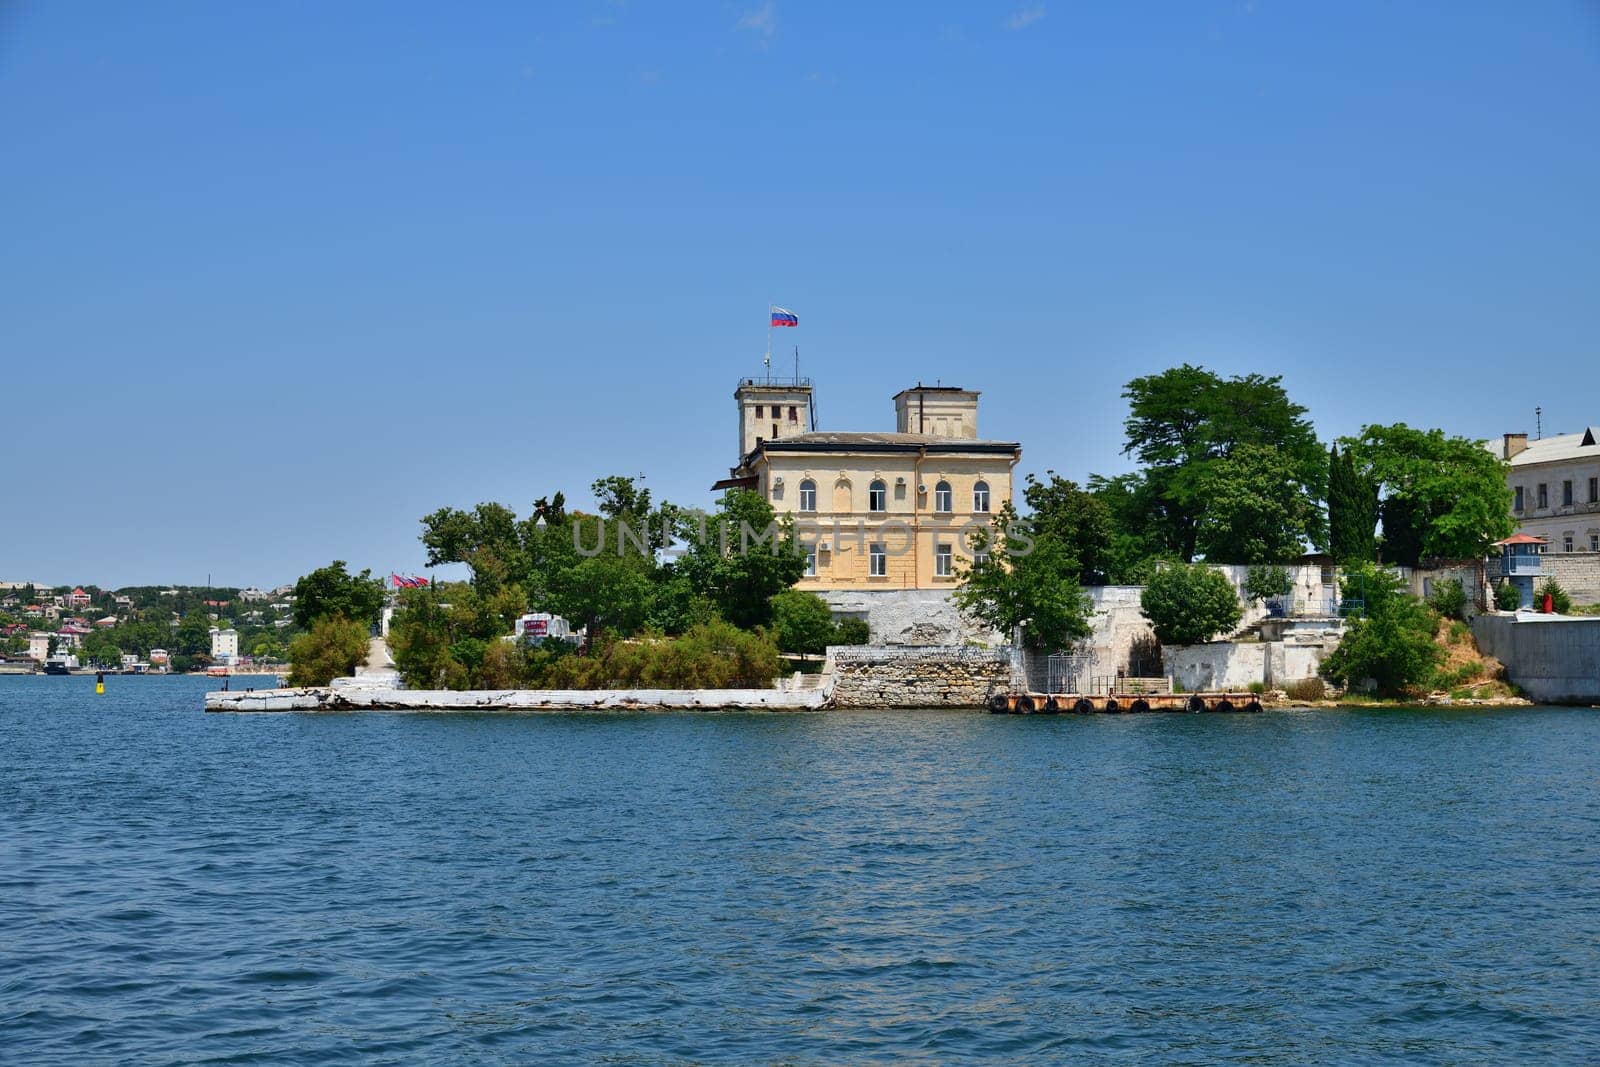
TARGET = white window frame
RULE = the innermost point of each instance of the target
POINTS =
(878, 495)
(811, 561)
(877, 560)
(943, 499)
(808, 496)
(980, 497)
(943, 561)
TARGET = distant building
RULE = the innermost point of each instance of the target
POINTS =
(78, 598)
(1555, 487)
(106, 623)
(224, 645)
(875, 509)
(39, 646)
(159, 657)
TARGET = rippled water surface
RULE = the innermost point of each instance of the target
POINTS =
(930, 887)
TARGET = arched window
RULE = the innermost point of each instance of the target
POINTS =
(943, 500)
(980, 496)
(877, 496)
(808, 495)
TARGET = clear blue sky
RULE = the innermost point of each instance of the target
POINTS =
(276, 280)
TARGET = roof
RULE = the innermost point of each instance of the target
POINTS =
(877, 441)
(920, 388)
(1523, 539)
(1556, 448)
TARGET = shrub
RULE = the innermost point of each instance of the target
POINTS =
(1459, 632)
(1263, 581)
(1560, 601)
(1258, 688)
(1306, 689)
(1448, 598)
(1507, 597)
(330, 649)
(802, 621)
(1190, 603)
(714, 655)
(1392, 644)
(852, 631)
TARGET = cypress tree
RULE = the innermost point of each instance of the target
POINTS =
(1362, 507)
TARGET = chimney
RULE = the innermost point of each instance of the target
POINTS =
(1515, 443)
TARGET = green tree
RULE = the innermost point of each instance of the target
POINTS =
(102, 649)
(1507, 597)
(194, 634)
(739, 558)
(1017, 581)
(802, 622)
(1188, 604)
(330, 649)
(609, 591)
(1391, 644)
(332, 590)
(1182, 421)
(1444, 497)
(852, 631)
(1078, 520)
(1257, 509)
(1560, 600)
(1352, 510)
(1262, 582)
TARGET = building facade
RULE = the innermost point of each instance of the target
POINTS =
(875, 510)
(1555, 487)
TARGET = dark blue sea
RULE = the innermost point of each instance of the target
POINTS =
(834, 888)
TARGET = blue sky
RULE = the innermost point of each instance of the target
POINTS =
(279, 279)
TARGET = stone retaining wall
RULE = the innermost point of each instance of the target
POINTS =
(947, 677)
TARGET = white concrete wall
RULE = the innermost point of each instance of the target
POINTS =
(1552, 658)
(910, 617)
(1220, 665)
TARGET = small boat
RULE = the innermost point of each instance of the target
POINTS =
(61, 663)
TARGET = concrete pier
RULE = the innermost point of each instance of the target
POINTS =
(366, 698)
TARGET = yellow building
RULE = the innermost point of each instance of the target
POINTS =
(876, 510)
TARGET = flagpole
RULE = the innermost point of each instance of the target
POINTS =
(767, 360)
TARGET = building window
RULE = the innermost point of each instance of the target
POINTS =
(877, 496)
(1566, 543)
(980, 497)
(1544, 495)
(808, 495)
(811, 561)
(761, 410)
(943, 499)
(877, 560)
(1516, 503)
(1594, 490)
(942, 561)
(1594, 542)
(980, 557)
(794, 413)
(1566, 494)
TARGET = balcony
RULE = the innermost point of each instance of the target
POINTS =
(1521, 566)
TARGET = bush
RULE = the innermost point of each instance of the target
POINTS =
(802, 621)
(1448, 598)
(714, 655)
(1190, 603)
(1262, 582)
(1507, 597)
(1306, 689)
(1257, 687)
(1392, 645)
(330, 649)
(1561, 602)
(1459, 632)
(851, 631)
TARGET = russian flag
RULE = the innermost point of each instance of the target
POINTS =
(784, 317)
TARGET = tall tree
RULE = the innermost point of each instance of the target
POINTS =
(1352, 510)
(1078, 520)
(1443, 497)
(739, 558)
(1256, 509)
(1017, 580)
(1184, 420)
(332, 590)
